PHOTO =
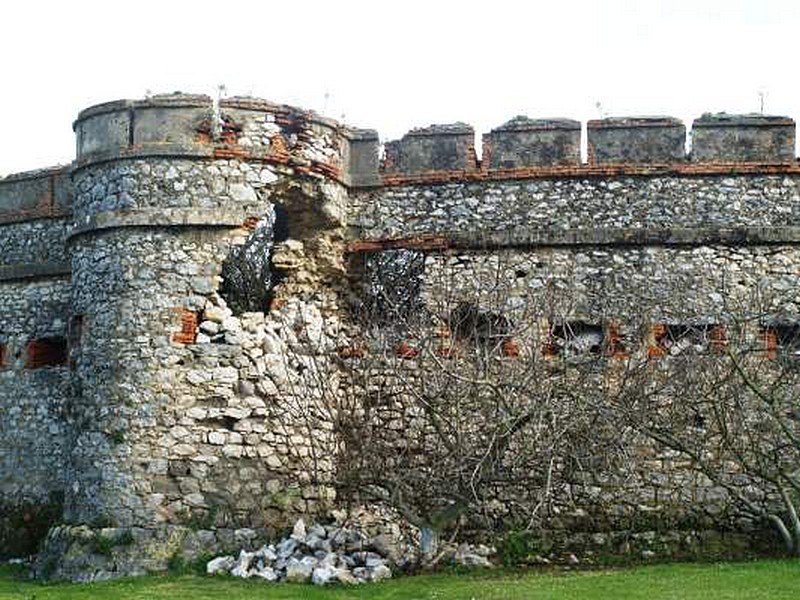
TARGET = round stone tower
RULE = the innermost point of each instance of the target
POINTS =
(187, 413)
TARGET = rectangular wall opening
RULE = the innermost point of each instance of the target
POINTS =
(782, 340)
(46, 352)
(671, 339)
(572, 338)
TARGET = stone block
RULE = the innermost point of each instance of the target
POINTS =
(26, 191)
(103, 128)
(62, 189)
(434, 148)
(170, 119)
(362, 157)
(524, 142)
(636, 140)
(743, 138)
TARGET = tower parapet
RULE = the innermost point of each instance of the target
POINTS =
(34, 194)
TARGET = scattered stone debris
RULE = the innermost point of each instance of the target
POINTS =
(320, 554)
(323, 554)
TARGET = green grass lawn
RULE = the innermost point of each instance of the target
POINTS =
(773, 580)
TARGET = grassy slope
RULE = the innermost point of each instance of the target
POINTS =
(773, 580)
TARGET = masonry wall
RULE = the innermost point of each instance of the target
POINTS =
(35, 390)
(642, 237)
(643, 202)
(171, 408)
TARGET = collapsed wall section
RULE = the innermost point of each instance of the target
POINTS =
(189, 416)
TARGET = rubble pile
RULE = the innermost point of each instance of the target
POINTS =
(332, 553)
(319, 553)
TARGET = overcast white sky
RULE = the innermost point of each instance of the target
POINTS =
(394, 65)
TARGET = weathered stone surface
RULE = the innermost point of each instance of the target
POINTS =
(743, 138)
(434, 148)
(636, 140)
(524, 142)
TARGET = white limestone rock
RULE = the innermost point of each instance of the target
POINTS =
(299, 571)
(299, 530)
(266, 573)
(221, 564)
(242, 566)
(380, 572)
(323, 575)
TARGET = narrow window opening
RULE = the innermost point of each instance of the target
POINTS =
(46, 352)
(467, 321)
(782, 340)
(74, 338)
(572, 338)
(671, 339)
(615, 341)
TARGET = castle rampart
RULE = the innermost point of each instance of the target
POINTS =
(142, 397)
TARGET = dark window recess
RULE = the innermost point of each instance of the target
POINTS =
(247, 273)
(46, 352)
(469, 322)
(615, 340)
(673, 339)
(3, 352)
(393, 281)
(575, 337)
(75, 330)
(74, 337)
(782, 340)
(280, 226)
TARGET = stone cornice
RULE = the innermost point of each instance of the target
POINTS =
(533, 238)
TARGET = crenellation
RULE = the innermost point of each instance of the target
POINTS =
(524, 142)
(635, 140)
(743, 138)
(362, 157)
(447, 147)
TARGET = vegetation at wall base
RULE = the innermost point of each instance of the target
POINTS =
(772, 579)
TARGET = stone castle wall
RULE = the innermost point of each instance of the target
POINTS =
(139, 399)
(34, 397)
